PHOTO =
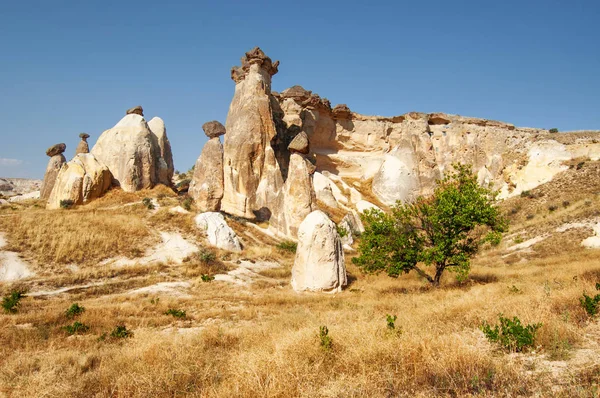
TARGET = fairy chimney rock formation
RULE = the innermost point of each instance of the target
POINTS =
(252, 176)
(166, 168)
(57, 159)
(207, 183)
(83, 146)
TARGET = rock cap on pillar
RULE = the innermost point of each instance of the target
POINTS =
(213, 129)
(138, 110)
(56, 149)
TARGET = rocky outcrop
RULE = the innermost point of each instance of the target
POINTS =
(166, 167)
(319, 264)
(252, 176)
(57, 159)
(218, 233)
(80, 180)
(136, 110)
(132, 153)
(397, 178)
(83, 146)
(207, 183)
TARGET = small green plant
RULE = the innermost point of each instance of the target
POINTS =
(187, 203)
(207, 278)
(76, 328)
(342, 232)
(176, 313)
(288, 246)
(183, 184)
(580, 165)
(206, 256)
(511, 334)
(325, 340)
(66, 204)
(74, 310)
(154, 300)
(391, 321)
(530, 216)
(518, 239)
(590, 304)
(527, 194)
(553, 130)
(148, 203)
(11, 301)
(514, 289)
(121, 332)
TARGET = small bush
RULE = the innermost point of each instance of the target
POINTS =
(515, 210)
(206, 256)
(176, 313)
(121, 332)
(11, 301)
(183, 184)
(527, 194)
(207, 278)
(553, 130)
(76, 328)
(580, 165)
(518, 239)
(566, 203)
(552, 208)
(590, 304)
(66, 204)
(342, 232)
(187, 203)
(530, 216)
(325, 340)
(391, 321)
(148, 203)
(288, 246)
(511, 334)
(74, 310)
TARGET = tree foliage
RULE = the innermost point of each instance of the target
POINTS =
(443, 231)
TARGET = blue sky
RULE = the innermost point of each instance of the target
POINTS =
(76, 66)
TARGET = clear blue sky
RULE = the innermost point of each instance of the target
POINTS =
(75, 66)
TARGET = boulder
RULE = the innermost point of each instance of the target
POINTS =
(166, 168)
(136, 110)
(4, 202)
(54, 165)
(56, 149)
(319, 264)
(206, 186)
(131, 152)
(83, 146)
(80, 180)
(218, 233)
(213, 129)
(300, 144)
(26, 196)
(397, 179)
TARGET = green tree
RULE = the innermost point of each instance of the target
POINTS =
(443, 231)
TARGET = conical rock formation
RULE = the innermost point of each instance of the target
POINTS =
(57, 159)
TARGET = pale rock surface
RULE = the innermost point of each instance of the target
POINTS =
(364, 205)
(80, 180)
(54, 165)
(219, 234)
(319, 264)
(323, 190)
(206, 186)
(18, 186)
(130, 151)
(26, 196)
(397, 178)
(12, 268)
(593, 242)
(4, 202)
(166, 167)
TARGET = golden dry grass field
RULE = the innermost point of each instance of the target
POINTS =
(262, 340)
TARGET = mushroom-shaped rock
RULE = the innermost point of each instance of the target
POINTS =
(57, 159)
(165, 166)
(219, 234)
(131, 153)
(80, 180)
(300, 143)
(341, 111)
(213, 129)
(83, 146)
(137, 110)
(319, 264)
(206, 186)
(56, 149)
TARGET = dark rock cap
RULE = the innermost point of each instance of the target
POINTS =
(84, 136)
(254, 56)
(138, 110)
(213, 129)
(56, 149)
(300, 143)
(341, 111)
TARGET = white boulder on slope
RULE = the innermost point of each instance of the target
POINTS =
(219, 234)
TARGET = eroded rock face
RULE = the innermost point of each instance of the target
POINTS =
(252, 177)
(54, 165)
(397, 178)
(80, 180)
(83, 146)
(207, 183)
(319, 265)
(166, 167)
(218, 233)
(131, 152)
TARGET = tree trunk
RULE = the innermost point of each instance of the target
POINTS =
(438, 274)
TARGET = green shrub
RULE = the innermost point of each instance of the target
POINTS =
(206, 256)
(580, 165)
(325, 340)
(511, 334)
(527, 194)
(342, 232)
(176, 313)
(530, 216)
(183, 184)
(207, 278)
(553, 130)
(391, 321)
(288, 246)
(187, 203)
(518, 239)
(148, 203)
(590, 304)
(552, 208)
(566, 203)
(121, 332)
(11, 301)
(76, 328)
(66, 204)
(74, 310)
